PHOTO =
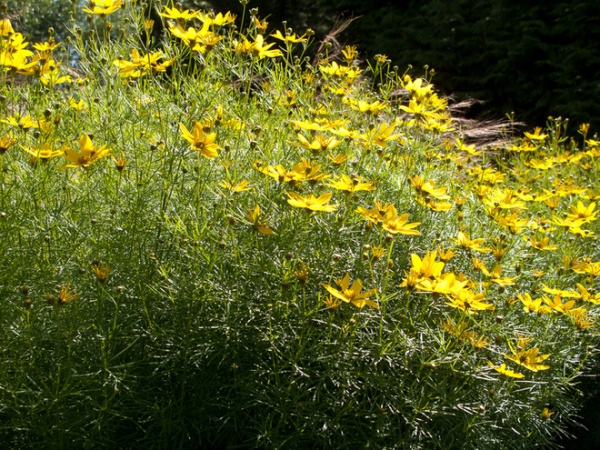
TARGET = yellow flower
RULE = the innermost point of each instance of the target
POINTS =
(6, 142)
(543, 244)
(427, 267)
(176, 14)
(352, 294)
(6, 28)
(89, 153)
(531, 305)
(235, 187)
(319, 143)
(101, 271)
(289, 37)
(466, 242)
(44, 152)
(311, 202)
(345, 183)
(257, 48)
(102, 7)
(400, 225)
(201, 142)
(582, 212)
(259, 221)
(503, 370)
(142, 64)
(528, 358)
(537, 135)
(465, 299)
(66, 294)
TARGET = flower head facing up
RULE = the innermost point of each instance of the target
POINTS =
(352, 293)
(102, 7)
(89, 153)
(201, 141)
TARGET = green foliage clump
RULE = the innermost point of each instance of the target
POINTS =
(210, 241)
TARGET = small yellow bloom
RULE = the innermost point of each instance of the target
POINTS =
(66, 295)
(102, 7)
(89, 153)
(259, 221)
(200, 141)
(528, 358)
(352, 294)
(311, 202)
(101, 271)
(503, 370)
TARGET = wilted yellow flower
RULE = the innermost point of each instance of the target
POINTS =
(101, 270)
(66, 294)
(259, 221)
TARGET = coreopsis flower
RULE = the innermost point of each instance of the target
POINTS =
(102, 7)
(6, 28)
(446, 284)
(176, 14)
(503, 199)
(428, 189)
(198, 40)
(369, 108)
(528, 358)
(582, 212)
(558, 306)
(542, 244)
(235, 187)
(88, 154)
(352, 294)
(66, 295)
(378, 214)
(446, 254)
(537, 135)
(45, 152)
(218, 19)
(307, 171)
(77, 105)
(289, 37)
(6, 142)
(101, 270)
(427, 267)
(581, 319)
(334, 69)
(310, 202)
(466, 242)
(23, 122)
(319, 143)
(504, 371)
(399, 225)
(142, 64)
(201, 141)
(257, 48)
(586, 295)
(350, 53)
(495, 277)
(379, 136)
(259, 221)
(530, 305)
(345, 183)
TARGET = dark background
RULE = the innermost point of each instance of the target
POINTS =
(533, 58)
